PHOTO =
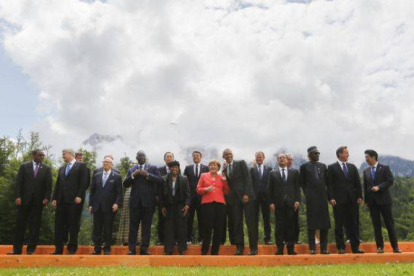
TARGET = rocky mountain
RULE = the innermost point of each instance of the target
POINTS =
(399, 166)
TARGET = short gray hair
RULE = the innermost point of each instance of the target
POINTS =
(70, 151)
(289, 155)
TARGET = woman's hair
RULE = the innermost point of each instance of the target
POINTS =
(215, 161)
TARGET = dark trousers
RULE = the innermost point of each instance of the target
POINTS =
(213, 220)
(67, 222)
(376, 211)
(228, 226)
(31, 215)
(195, 207)
(237, 210)
(285, 226)
(297, 226)
(103, 224)
(160, 226)
(323, 239)
(348, 235)
(175, 228)
(140, 215)
(344, 215)
(262, 204)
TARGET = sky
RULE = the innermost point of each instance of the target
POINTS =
(248, 75)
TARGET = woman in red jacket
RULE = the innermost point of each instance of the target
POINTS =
(212, 187)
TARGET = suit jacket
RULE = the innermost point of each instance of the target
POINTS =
(182, 191)
(104, 197)
(260, 184)
(343, 188)
(280, 192)
(143, 190)
(163, 170)
(73, 185)
(28, 187)
(383, 179)
(240, 183)
(193, 180)
(101, 170)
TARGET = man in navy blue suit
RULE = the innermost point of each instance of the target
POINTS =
(104, 200)
(144, 180)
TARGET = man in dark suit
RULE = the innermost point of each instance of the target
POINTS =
(290, 160)
(104, 200)
(175, 203)
(33, 189)
(164, 170)
(101, 169)
(240, 200)
(283, 191)
(193, 172)
(378, 179)
(79, 158)
(344, 192)
(260, 177)
(313, 183)
(70, 187)
(144, 180)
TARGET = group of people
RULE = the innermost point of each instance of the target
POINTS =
(222, 201)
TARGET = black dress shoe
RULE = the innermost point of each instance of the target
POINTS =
(144, 252)
(30, 252)
(292, 253)
(14, 253)
(71, 252)
(168, 253)
(159, 243)
(180, 252)
(239, 252)
(396, 250)
(380, 250)
(358, 251)
(279, 252)
(107, 252)
(312, 252)
(268, 243)
(253, 252)
(132, 252)
(56, 253)
(325, 252)
(298, 242)
(96, 252)
(341, 251)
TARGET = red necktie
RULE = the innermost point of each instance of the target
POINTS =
(36, 169)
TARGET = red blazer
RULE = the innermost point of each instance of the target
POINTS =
(221, 188)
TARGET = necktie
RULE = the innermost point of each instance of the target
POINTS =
(36, 169)
(105, 177)
(67, 169)
(140, 167)
(283, 175)
(197, 170)
(345, 168)
(373, 173)
(260, 171)
(229, 170)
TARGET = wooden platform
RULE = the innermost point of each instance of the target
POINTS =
(266, 257)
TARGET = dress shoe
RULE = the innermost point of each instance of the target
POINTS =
(132, 252)
(268, 243)
(30, 252)
(71, 252)
(312, 252)
(279, 251)
(325, 252)
(396, 250)
(253, 252)
(189, 243)
(167, 253)
(14, 253)
(95, 252)
(56, 253)
(358, 251)
(160, 243)
(292, 253)
(341, 251)
(144, 252)
(239, 252)
(380, 250)
(298, 242)
(180, 252)
(107, 252)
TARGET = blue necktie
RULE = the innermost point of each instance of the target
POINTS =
(105, 178)
(67, 169)
(373, 173)
(345, 168)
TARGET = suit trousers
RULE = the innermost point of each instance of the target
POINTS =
(237, 210)
(175, 228)
(67, 222)
(323, 239)
(356, 223)
(376, 211)
(103, 222)
(345, 216)
(195, 207)
(261, 204)
(228, 225)
(285, 225)
(297, 225)
(160, 226)
(140, 215)
(30, 215)
(213, 220)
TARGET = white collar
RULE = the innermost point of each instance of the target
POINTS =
(108, 172)
(72, 162)
(375, 165)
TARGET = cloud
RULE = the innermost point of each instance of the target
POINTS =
(250, 75)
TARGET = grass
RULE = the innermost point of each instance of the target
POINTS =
(349, 270)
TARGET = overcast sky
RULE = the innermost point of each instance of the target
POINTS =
(249, 75)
